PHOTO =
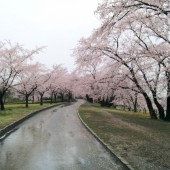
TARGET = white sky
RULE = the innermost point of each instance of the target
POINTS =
(57, 24)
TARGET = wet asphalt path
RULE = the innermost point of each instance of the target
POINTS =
(54, 140)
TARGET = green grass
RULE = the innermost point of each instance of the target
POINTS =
(15, 112)
(142, 142)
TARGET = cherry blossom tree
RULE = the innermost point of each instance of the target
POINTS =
(88, 64)
(130, 33)
(57, 82)
(43, 82)
(145, 26)
(28, 81)
(152, 17)
(13, 58)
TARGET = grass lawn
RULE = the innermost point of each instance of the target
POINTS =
(142, 142)
(14, 112)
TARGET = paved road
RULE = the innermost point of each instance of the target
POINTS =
(54, 140)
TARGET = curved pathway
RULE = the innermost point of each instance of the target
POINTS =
(54, 140)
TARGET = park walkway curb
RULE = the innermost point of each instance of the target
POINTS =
(4, 132)
(119, 159)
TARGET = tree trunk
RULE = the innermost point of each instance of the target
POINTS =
(69, 96)
(4, 98)
(2, 102)
(41, 99)
(168, 109)
(135, 108)
(134, 100)
(62, 97)
(26, 100)
(33, 99)
(150, 107)
(51, 98)
(55, 98)
(160, 109)
(135, 103)
(168, 98)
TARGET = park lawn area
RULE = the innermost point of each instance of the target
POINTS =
(15, 112)
(140, 141)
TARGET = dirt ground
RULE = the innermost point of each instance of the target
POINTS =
(142, 142)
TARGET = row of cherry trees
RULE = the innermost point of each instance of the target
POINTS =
(127, 59)
(22, 76)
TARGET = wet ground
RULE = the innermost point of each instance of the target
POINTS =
(54, 140)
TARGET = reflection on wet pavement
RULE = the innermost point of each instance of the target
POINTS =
(54, 140)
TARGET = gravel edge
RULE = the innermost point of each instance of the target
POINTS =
(7, 130)
(125, 164)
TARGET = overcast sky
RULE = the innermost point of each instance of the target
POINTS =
(57, 24)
